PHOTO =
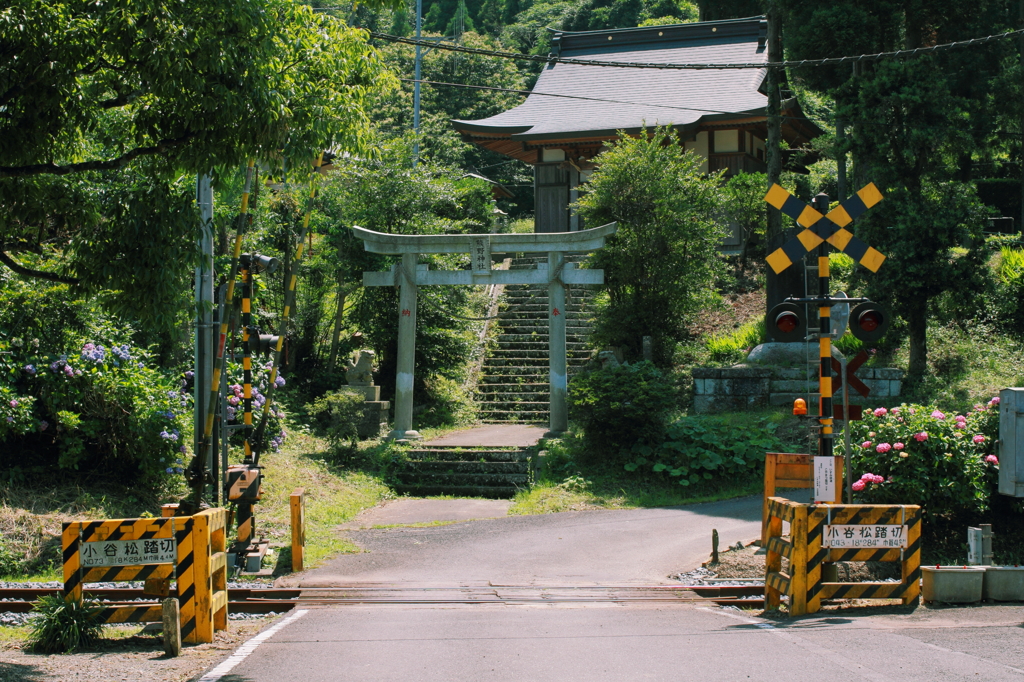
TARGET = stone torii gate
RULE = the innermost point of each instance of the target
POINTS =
(408, 275)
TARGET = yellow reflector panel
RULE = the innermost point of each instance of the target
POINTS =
(839, 216)
(840, 239)
(776, 196)
(872, 260)
(808, 217)
(779, 261)
(809, 239)
(870, 195)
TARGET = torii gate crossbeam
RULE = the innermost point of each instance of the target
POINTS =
(408, 275)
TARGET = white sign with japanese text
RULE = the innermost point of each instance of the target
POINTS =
(864, 537)
(481, 255)
(824, 479)
(127, 552)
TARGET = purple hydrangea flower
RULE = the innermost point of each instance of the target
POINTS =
(30, 369)
(279, 381)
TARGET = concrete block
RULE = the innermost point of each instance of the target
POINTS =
(740, 372)
(790, 374)
(712, 386)
(894, 388)
(890, 373)
(698, 386)
(706, 372)
(793, 386)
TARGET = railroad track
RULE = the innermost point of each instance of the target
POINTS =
(277, 600)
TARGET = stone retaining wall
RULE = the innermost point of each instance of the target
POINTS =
(730, 389)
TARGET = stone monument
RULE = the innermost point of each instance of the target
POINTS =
(359, 375)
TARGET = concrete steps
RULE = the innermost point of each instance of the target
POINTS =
(464, 472)
(513, 386)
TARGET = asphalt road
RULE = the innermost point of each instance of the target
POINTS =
(600, 641)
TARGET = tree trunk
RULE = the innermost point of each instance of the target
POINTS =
(788, 282)
(339, 317)
(917, 323)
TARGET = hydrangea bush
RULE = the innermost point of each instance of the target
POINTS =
(276, 432)
(99, 406)
(916, 454)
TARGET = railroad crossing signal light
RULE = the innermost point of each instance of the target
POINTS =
(869, 321)
(256, 263)
(821, 228)
(786, 322)
(261, 344)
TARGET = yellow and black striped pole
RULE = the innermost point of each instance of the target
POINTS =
(247, 353)
(824, 343)
(259, 438)
(206, 445)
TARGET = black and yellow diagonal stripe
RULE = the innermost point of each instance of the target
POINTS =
(830, 228)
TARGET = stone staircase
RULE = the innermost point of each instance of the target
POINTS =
(513, 383)
(464, 471)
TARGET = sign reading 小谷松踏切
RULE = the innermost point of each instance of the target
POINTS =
(128, 552)
(864, 536)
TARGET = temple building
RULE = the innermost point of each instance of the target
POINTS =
(574, 109)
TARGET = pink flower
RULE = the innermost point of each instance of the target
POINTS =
(897, 446)
(994, 401)
(992, 459)
(938, 415)
(960, 425)
(858, 485)
(979, 438)
(883, 448)
(913, 411)
(978, 407)
(14, 403)
(961, 418)
(872, 478)
(880, 412)
(921, 437)
(895, 410)
(866, 444)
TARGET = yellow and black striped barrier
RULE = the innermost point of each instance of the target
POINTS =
(815, 532)
(191, 549)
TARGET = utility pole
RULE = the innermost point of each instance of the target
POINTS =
(1020, 24)
(416, 87)
(203, 369)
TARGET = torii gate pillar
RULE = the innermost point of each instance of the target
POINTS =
(406, 354)
(408, 275)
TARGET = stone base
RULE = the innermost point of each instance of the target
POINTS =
(369, 393)
(375, 416)
(401, 436)
(787, 354)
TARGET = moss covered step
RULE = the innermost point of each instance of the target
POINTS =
(459, 468)
(490, 492)
(513, 387)
(467, 455)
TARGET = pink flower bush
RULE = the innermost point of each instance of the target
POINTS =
(883, 448)
(880, 412)
(897, 446)
(866, 444)
(960, 425)
(938, 415)
(921, 437)
(960, 418)
(992, 459)
(979, 438)
(858, 485)
(994, 401)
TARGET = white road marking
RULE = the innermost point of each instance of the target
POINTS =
(249, 647)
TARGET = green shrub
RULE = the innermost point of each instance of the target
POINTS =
(734, 346)
(621, 406)
(915, 454)
(448, 403)
(64, 626)
(706, 447)
(1010, 289)
(10, 562)
(339, 414)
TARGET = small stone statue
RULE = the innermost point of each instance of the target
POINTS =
(359, 370)
(608, 360)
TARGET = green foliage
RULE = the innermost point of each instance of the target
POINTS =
(64, 626)
(661, 264)
(1010, 289)
(706, 447)
(743, 204)
(734, 346)
(450, 403)
(621, 406)
(10, 562)
(339, 414)
(916, 454)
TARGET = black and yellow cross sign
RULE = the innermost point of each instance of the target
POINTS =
(824, 228)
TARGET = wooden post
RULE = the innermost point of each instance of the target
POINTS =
(798, 562)
(773, 563)
(203, 579)
(172, 627)
(298, 505)
(770, 460)
(714, 545)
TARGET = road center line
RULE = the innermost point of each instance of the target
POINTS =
(249, 647)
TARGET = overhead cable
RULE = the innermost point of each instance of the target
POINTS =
(829, 61)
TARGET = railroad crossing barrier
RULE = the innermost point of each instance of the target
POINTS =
(839, 532)
(191, 549)
(789, 470)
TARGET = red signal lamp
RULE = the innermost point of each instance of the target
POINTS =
(786, 322)
(799, 407)
(869, 321)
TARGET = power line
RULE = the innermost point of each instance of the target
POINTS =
(650, 65)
